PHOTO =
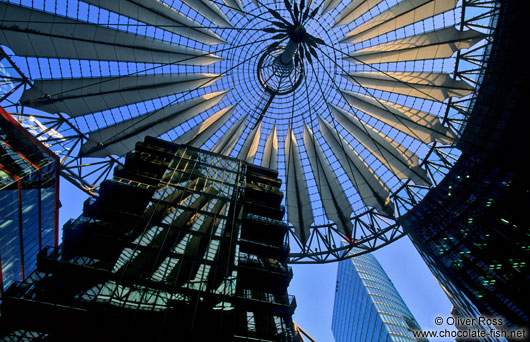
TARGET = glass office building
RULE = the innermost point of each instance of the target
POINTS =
(472, 233)
(29, 203)
(472, 230)
(180, 245)
(367, 305)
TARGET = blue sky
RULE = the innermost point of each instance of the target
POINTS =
(314, 288)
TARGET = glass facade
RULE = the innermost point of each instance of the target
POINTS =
(199, 193)
(462, 306)
(181, 244)
(367, 305)
(472, 233)
(28, 200)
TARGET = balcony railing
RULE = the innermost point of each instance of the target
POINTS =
(266, 220)
(279, 247)
(285, 303)
(265, 264)
(50, 260)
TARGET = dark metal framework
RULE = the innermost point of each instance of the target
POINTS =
(371, 228)
(181, 244)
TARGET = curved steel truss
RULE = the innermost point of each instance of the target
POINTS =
(358, 104)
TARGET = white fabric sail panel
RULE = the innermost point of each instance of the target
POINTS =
(428, 86)
(372, 191)
(250, 146)
(162, 8)
(333, 197)
(47, 35)
(403, 163)
(161, 15)
(79, 96)
(415, 123)
(201, 133)
(121, 138)
(226, 144)
(437, 44)
(32, 44)
(405, 13)
(270, 152)
(299, 212)
(209, 10)
(234, 5)
(354, 10)
(329, 5)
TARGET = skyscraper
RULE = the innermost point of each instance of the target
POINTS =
(181, 244)
(367, 305)
(472, 235)
(463, 309)
(29, 200)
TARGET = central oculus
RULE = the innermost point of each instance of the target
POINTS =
(280, 69)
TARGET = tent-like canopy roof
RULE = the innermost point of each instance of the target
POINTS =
(360, 124)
